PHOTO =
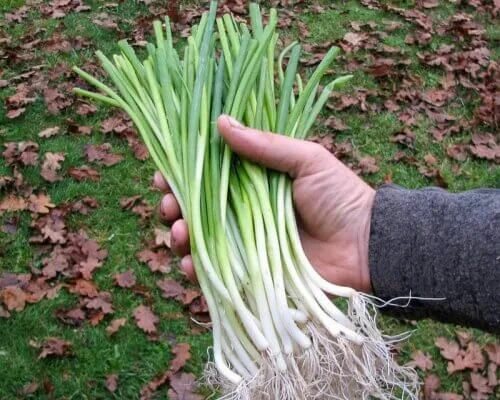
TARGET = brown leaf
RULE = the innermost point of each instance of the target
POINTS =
(158, 261)
(125, 279)
(29, 388)
(21, 153)
(421, 360)
(182, 355)
(463, 338)
(431, 384)
(162, 237)
(493, 351)
(448, 349)
(480, 383)
(55, 347)
(13, 297)
(12, 203)
(137, 205)
(102, 154)
(105, 20)
(146, 319)
(84, 288)
(51, 165)
(101, 302)
(182, 387)
(55, 100)
(484, 151)
(492, 375)
(84, 173)
(48, 132)
(457, 152)
(368, 165)
(73, 317)
(12, 114)
(171, 289)
(39, 203)
(112, 382)
(84, 205)
(115, 325)
(336, 124)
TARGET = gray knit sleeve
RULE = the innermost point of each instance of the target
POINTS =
(434, 244)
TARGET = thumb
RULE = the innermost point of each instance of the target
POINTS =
(293, 156)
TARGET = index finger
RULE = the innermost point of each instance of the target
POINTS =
(161, 183)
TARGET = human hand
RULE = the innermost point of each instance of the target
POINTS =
(333, 205)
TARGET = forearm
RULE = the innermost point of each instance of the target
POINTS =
(433, 244)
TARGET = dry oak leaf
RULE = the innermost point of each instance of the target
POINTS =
(146, 319)
(158, 261)
(421, 360)
(13, 297)
(171, 289)
(102, 154)
(48, 132)
(182, 355)
(493, 351)
(480, 383)
(51, 165)
(368, 165)
(84, 173)
(39, 203)
(102, 303)
(84, 288)
(182, 387)
(448, 349)
(162, 237)
(22, 153)
(55, 347)
(431, 385)
(111, 382)
(125, 279)
(115, 325)
(12, 203)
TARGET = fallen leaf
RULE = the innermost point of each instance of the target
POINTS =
(368, 165)
(182, 387)
(111, 383)
(29, 388)
(48, 132)
(431, 385)
(13, 297)
(162, 237)
(84, 173)
(55, 347)
(146, 319)
(51, 165)
(102, 154)
(493, 351)
(182, 355)
(448, 349)
(158, 261)
(115, 325)
(421, 360)
(171, 289)
(125, 279)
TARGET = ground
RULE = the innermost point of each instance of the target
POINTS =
(420, 111)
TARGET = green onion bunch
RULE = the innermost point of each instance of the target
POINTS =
(276, 333)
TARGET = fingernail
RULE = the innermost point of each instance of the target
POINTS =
(234, 123)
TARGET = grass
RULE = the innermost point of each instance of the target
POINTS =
(129, 354)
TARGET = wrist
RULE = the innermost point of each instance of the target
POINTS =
(364, 242)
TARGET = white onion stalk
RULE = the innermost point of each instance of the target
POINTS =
(276, 334)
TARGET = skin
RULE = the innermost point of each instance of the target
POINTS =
(333, 205)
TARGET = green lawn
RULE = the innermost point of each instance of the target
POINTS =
(129, 353)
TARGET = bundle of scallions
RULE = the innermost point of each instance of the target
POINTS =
(276, 333)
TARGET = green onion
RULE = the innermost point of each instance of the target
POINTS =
(276, 333)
